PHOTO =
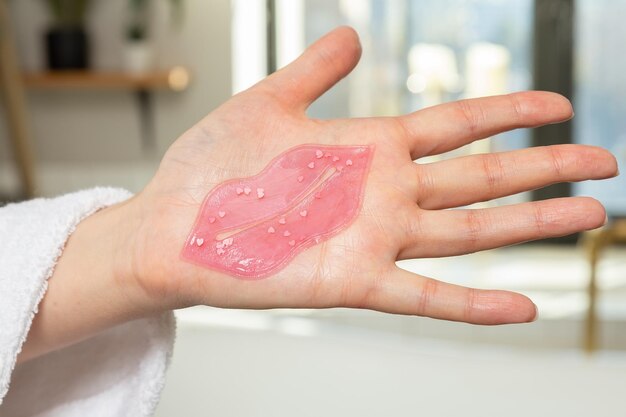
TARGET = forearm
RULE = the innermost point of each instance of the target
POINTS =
(91, 288)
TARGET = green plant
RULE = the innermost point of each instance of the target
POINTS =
(68, 13)
(137, 29)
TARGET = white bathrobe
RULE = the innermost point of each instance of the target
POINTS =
(119, 372)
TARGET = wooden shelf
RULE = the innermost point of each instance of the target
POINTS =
(176, 79)
(142, 85)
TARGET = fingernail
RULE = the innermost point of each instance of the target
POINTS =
(536, 313)
(606, 219)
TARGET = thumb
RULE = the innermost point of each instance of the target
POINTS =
(320, 66)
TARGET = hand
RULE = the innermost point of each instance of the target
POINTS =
(402, 215)
(124, 262)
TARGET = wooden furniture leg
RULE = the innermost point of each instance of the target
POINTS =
(15, 104)
(595, 242)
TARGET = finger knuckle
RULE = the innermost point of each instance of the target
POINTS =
(474, 228)
(426, 183)
(470, 305)
(472, 113)
(539, 218)
(557, 161)
(516, 106)
(426, 295)
(493, 172)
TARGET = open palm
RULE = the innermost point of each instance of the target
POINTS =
(402, 214)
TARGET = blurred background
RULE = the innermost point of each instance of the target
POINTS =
(93, 93)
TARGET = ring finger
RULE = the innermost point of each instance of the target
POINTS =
(441, 233)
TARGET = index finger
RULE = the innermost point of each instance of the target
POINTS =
(448, 126)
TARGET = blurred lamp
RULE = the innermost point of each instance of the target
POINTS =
(433, 71)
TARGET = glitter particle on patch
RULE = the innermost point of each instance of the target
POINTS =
(221, 213)
(303, 213)
(311, 165)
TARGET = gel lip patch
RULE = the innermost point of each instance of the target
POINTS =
(251, 227)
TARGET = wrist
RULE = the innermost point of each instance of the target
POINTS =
(92, 287)
(120, 226)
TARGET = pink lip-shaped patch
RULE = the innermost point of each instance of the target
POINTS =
(251, 227)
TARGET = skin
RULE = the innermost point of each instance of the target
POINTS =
(123, 262)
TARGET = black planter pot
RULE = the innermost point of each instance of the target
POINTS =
(67, 48)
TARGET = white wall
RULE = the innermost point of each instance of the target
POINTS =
(83, 137)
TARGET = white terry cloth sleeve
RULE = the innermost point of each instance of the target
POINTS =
(118, 372)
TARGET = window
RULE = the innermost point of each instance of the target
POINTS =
(600, 91)
(419, 53)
